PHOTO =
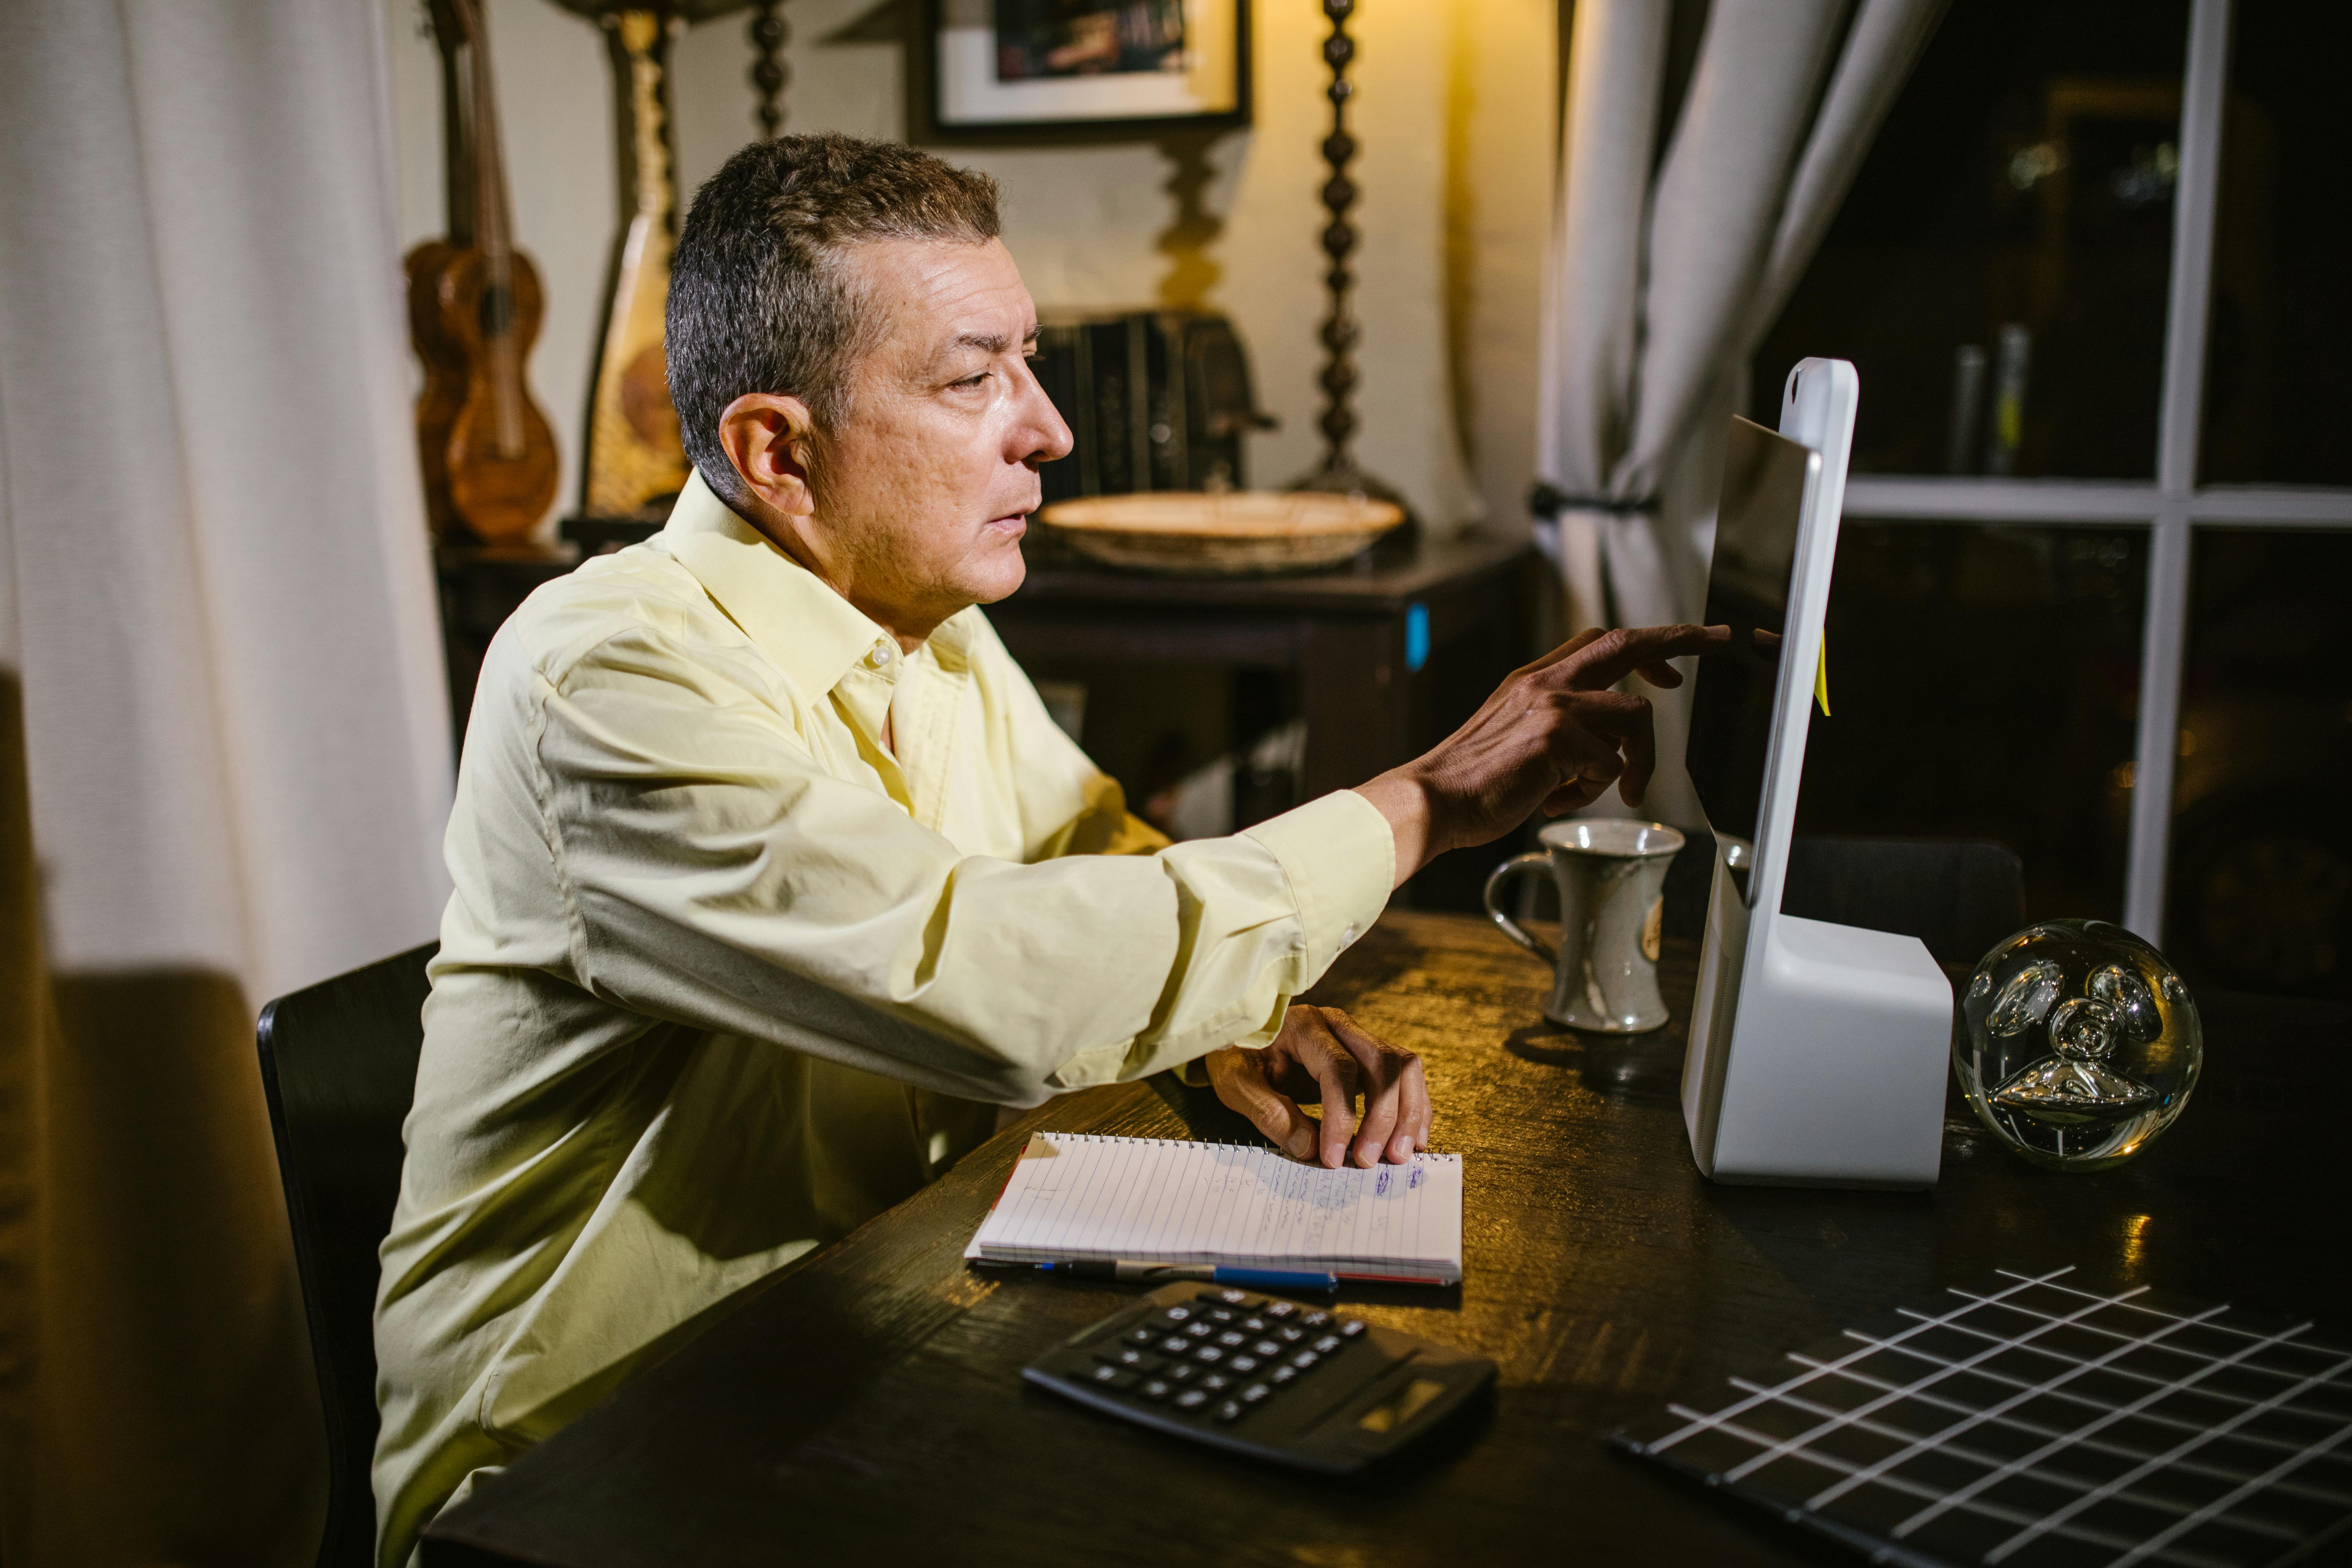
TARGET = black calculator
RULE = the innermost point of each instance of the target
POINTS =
(1300, 1386)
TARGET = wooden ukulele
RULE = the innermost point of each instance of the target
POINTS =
(473, 311)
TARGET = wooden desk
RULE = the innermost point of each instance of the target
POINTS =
(865, 1405)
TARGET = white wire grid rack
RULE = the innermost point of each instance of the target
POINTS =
(2037, 1422)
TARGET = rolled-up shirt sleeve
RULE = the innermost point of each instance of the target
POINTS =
(715, 875)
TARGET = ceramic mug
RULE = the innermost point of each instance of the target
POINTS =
(1611, 874)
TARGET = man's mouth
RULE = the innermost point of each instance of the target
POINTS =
(1013, 524)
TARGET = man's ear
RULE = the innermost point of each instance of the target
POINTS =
(767, 437)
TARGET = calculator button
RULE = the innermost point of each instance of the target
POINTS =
(1253, 1325)
(1237, 1298)
(1282, 1376)
(1159, 1388)
(1222, 1315)
(1215, 1382)
(1176, 1315)
(1243, 1364)
(1113, 1377)
(1180, 1372)
(1326, 1345)
(1138, 1360)
(1315, 1319)
(1200, 1330)
(1208, 1355)
(1230, 1410)
(1290, 1333)
(1352, 1327)
(1254, 1393)
(1143, 1336)
(1281, 1309)
(1306, 1361)
(1175, 1346)
(1233, 1338)
(1191, 1399)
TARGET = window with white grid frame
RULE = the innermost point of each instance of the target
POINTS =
(2100, 511)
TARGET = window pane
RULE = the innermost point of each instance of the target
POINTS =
(1983, 682)
(2261, 885)
(2277, 405)
(1999, 272)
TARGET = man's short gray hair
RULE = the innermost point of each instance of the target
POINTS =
(758, 302)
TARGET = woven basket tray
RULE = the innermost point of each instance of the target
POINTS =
(1233, 534)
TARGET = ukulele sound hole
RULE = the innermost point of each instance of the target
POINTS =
(498, 310)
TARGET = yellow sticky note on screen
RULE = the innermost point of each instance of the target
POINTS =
(1822, 676)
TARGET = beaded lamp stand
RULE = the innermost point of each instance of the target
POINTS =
(768, 72)
(1339, 473)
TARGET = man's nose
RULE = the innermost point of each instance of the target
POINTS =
(1040, 435)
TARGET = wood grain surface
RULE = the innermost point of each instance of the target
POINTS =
(865, 1405)
(1384, 581)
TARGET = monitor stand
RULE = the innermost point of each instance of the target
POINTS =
(1817, 1052)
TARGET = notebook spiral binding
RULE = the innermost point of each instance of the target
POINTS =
(1192, 1142)
(1208, 1144)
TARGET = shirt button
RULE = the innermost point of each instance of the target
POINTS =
(878, 656)
(1347, 937)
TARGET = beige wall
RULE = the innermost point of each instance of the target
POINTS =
(1454, 115)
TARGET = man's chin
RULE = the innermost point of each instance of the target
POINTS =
(999, 576)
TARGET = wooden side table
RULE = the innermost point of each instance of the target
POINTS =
(1390, 653)
(481, 584)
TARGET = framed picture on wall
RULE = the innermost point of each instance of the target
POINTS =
(1085, 69)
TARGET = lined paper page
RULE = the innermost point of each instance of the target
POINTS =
(1087, 1197)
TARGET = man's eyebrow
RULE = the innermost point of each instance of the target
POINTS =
(992, 342)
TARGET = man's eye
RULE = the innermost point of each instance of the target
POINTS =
(971, 380)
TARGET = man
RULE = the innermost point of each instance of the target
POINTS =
(773, 878)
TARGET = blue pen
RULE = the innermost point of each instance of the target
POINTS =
(1150, 1273)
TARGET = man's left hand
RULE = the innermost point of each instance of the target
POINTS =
(1322, 1054)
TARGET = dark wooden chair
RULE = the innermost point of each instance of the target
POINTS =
(339, 1064)
(1957, 895)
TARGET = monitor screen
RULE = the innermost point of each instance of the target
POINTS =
(1747, 589)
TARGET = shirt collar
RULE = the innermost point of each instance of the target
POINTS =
(813, 633)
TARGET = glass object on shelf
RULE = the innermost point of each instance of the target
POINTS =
(1998, 272)
(1987, 687)
(2276, 400)
(2260, 888)
(2077, 1044)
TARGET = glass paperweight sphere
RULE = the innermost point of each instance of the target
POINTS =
(2077, 1044)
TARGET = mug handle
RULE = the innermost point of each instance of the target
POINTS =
(1510, 928)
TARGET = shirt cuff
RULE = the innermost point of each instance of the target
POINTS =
(1340, 859)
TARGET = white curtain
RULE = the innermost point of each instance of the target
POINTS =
(1668, 271)
(224, 708)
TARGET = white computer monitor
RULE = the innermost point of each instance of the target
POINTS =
(1817, 1052)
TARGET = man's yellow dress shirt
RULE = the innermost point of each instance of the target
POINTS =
(722, 977)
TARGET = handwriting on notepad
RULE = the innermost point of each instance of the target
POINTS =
(1079, 1196)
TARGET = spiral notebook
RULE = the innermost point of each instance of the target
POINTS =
(1086, 1197)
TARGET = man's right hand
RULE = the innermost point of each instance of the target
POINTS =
(1554, 735)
